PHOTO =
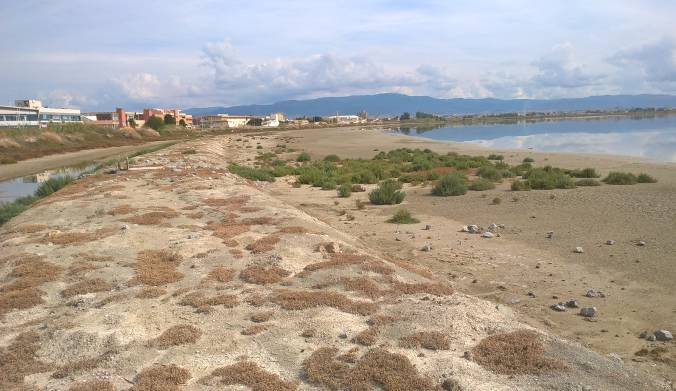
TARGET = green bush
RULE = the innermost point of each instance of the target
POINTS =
(490, 173)
(584, 173)
(645, 178)
(493, 156)
(331, 158)
(520, 186)
(452, 184)
(549, 178)
(189, 152)
(155, 123)
(403, 216)
(388, 193)
(329, 185)
(521, 169)
(344, 190)
(587, 182)
(528, 160)
(620, 178)
(359, 204)
(7, 160)
(303, 157)
(52, 185)
(10, 209)
(482, 185)
(256, 174)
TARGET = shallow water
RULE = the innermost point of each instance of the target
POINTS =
(648, 137)
(20, 187)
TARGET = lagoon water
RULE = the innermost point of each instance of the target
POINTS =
(24, 186)
(648, 137)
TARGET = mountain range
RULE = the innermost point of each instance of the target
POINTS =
(395, 104)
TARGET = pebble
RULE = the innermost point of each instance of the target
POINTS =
(493, 226)
(428, 227)
(531, 294)
(643, 335)
(468, 355)
(610, 242)
(559, 307)
(663, 335)
(641, 243)
(427, 247)
(487, 235)
(549, 234)
(572, 303)
(579, 250)
(589, 312)
(651, 338)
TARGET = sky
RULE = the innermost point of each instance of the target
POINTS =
(101, 54)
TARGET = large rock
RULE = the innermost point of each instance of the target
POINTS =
(589, 312)
(663, 335)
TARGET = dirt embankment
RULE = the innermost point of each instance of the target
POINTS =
(191, 278)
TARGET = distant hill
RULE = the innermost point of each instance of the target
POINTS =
(395, 104)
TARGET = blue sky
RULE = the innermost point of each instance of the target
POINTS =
(98, 54)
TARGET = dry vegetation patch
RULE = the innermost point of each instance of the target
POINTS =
(221, 274)
(18, 360)
(70, 238)
(158, 267)
(227, 231)
(292, 230)
(251, 375)
(264, 244)
(367, 337)
(254, 329)
(87, 286)
(261, 275)
(29, 228)
(81, 366)
(233, 203)
(435, 289)
(262, 317)
(300, 300)
(165, 378)
(259, 221)
(23, 291)
(152, 218)
(339, 260)
(377, 368)
(177, 335)
(433, 340)
(518, 352)
(124, 209)
(95, 258)
(92, 385)
(204, 303)
(151, 292)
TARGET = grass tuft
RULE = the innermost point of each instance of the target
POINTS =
(620, 178)
(176, 335)
(403, 216)
(452, 184)
(515, 353)
(158, 267)
(252, 376)
(388, 193)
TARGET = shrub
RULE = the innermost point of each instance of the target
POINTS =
(344, 190)
(359, 204)
(587, 182)
(452, 184)
(520, 186)
(620, 178)
(521, 169)
(189, 152)
(52, 185)
(496, 201)
(329, 185)
(489, 172)
(528, 160)
(549, 178)
(403, 216)
(645, 178)
(482, 185)
(388, 193)
(358, 188)
(584, 173)
(493, 156)
(331, 158)
(303, 157)
(256, 174)
(154, 123)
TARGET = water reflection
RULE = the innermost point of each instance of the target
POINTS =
(649, 137)
(24, 186)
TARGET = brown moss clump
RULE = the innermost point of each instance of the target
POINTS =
(233, 203)
(165, 378)
(81, 366)
(381, 320)
(413, 268)
(78, 268)
(236, 253)
(227, 231)
(433, 340)
(367, 337)
(92, 385)
(264, 244)
(70, 238)
(221, 274)
(435, 289)
(158, 267)
(250, 375)
(362, 285)
(87, 286)
(339, 260)
(152, 218)
(376, 368)
(262, 317)
(259, 221)
(292, 230)
(151, 292)
(18, 360)
(300, 300)
(518, 352)
(203, 303)
(254, 329)
(122, 210)
(29, 228)
(23, 291)
(261, 275)
(177, 335)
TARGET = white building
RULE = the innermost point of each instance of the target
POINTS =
(29, 112)
(225, 120)
(344, 119)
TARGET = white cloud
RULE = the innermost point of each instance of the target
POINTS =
(560, 68)
(653, 65)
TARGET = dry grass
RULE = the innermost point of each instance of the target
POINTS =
(234, 203)
(256, 300)
(435, 289)
(381, 320)
(152, 218)
(254, 329)
(23, 292)
(203, 303)
(367, 337)
(151, 292)
(262, 317)
(264, 244)
(433, 340)
(221, 274)
(259, 221)
(227, 231)
(378, 267)
(71, 238)
(82, 366)
(158, 267)
(308, 333)
(86, 286)
(363, 285)
(261, 275)
(236, 253)
(377, 368)
(164, 378)
(92, 385)
(78, 268)
(29, 228)
(18, 360)
(96, 258)
(518, 352)
(292, 230)
(339, 260)
(177, 335)
(300, 300)
(251, 375)
(122, 210)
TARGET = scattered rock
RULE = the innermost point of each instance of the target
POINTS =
(427, 247)
(578, 250)
(594, 293)
(549, 234)
(641, 243)
(428, 227)
(472, 228)
(643, 335)
(493, 226)
(488, 235)
(572, 303)
(342, 335)
(589, 312)
(531, 294)
(651, 338)
(559, 307)
(468, 356)
(610, 242)
(663, 335)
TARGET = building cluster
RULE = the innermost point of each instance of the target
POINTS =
(132, 119)
(30, 112)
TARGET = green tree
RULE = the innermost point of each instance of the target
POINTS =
(169, 119)
(132, 123)
(154, 123)
(255, 122)
(405, 117)
(182, 122)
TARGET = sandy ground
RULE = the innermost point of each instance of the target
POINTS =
(638, 282)
(118, 278)
(34, 166)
